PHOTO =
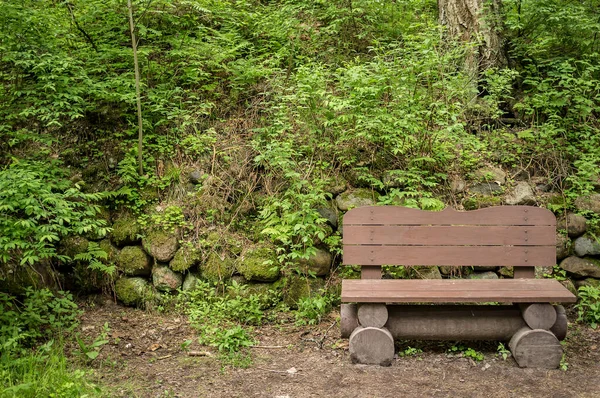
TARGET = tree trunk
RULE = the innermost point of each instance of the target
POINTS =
(478, 22)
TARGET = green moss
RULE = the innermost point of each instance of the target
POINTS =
(132, 260)
(185, 258)
(166, 280)
(126, 230)
(297, 287)
(73, 245)
(217, 268)
(133, 291)
(480, 202)
(110, 250)
(259, 264)
(356, 198)
(161, 245)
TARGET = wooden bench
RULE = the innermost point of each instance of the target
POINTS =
(513, 236)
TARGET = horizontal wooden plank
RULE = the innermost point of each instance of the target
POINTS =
(500, 215)
(455, 291)
(515, 256)
(450, 235)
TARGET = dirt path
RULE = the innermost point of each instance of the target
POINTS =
(145, 359)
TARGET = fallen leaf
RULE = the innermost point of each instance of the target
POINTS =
(154, 347)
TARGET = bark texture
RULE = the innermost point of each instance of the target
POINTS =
(476, 21)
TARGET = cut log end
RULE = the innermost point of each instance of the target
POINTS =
(539, 316)
(536, 349)
(375, 315)
(371, 346)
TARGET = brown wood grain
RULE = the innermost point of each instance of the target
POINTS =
(447, 291)
(501, 215)
(370, 272)
(450, 235)
(524, 272)
(516, 256)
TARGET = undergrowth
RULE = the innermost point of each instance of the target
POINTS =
(32, 347)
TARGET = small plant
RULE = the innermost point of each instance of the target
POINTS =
(185, 346)
(467, 352)
(557, 273)
(224, 321)
(410, 352)
(564, 365)
(312, 309)
(503, 352)
(588, 307)
(92, 350)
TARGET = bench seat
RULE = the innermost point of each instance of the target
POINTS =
(455, 291)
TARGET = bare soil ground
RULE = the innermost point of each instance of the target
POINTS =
(145, 358)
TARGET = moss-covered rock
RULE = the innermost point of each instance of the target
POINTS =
(336, 185)
(73, 245)
(185, 258)
(588, 203)
(126, 231)
(166, 280)
(581, 268)
(132, 260)
(296, 287)
(190, 282)
(569, 285)
(161, 245)
(217, 267)
(507, 272)
(491, 174)
(111, 251)
(133, 291)
(483, 275)
(318, 264)
(563, 246)
(259, 264)
(427, 272)
(588, 282)
(480, 202)
(356, 198)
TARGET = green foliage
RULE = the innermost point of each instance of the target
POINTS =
(89, 352)
(557, 273)
(588, 306)
(223, 321)
(30, 367)
(410, 352)
(466, 352)
(42, 315)
(39, 207)
(312, 309)
(43, 372)
(503, 352)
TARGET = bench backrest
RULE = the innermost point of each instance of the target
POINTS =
(519, 236)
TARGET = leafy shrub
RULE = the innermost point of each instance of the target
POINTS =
(588, 307)
(312, 309)
(39, 207)
(223, 320)
(32, 359)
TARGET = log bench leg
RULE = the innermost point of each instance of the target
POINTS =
(370, 343)
(536, 348)
(537, 345)
(371, 346)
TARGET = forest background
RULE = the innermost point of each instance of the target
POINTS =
(255, 115)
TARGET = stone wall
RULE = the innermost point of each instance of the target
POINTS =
(153, 262)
